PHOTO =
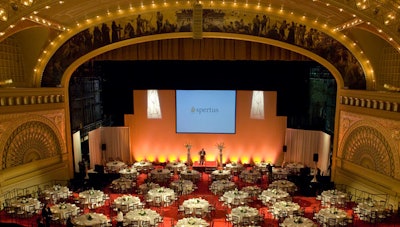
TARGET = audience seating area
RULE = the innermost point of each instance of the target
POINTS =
(94, 196)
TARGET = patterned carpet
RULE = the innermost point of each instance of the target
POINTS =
(218, 219)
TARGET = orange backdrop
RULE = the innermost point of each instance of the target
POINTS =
(255, 140)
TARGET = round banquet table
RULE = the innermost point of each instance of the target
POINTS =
(176, 167)
(90, 219)
(57, 192)
(182, 187)
(93, 198)
(284, 208)
(64, 210)
(127, 200)
(160, 175)
(195, 203)
(167, 195)
(331, 212)
(270, 196)
(218, 187)
(244, 211)
(284, 185)
(129, 173)
(190, 174)
(297, 222)
(221, 174)
(333, 197)
(230, 196)
(115, 166)
(250, 175)
(143, 215)
(191, 221)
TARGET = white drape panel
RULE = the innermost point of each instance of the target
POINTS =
(76, 141)
(302, 144)
(116, 140)
(95, 155)
(117, 143)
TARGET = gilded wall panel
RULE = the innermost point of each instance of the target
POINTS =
(370, 142)
(29, 137)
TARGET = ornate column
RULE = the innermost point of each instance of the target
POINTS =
(220, 157)
(220, 146)
(189, 161)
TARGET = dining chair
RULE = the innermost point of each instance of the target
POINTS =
(245, 221)
(145, 223)
(188, 212)
(157, 201)
(198, 212)
(134, 223)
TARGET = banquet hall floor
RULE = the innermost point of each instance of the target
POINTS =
(218, 219)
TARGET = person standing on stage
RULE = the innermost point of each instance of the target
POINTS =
(202, 154)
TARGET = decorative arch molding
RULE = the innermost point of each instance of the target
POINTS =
(258, 48)
(370, 143)
(30, 138)
(353, 69)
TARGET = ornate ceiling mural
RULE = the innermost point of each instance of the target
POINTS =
(261, 25)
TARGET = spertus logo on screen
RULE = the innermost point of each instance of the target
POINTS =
(206, 111)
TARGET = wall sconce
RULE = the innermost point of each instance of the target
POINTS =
(27, 2)
(3, 14)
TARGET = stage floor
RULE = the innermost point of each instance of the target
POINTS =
(208, 166)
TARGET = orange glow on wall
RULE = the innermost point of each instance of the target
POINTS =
(255, 140)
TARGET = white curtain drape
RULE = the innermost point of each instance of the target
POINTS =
(116, 140)
(76, 137)
(95, 156)
(303, 144)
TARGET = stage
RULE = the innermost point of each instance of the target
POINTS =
(208, 166)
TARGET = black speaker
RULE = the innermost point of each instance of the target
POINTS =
(315, 157)
(284, 148)
(103, 147)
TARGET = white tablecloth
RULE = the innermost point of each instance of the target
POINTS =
(57, 192)
(332, 212)
(90, 219)
(143, 215)
(271, 196)
(218, 187)
(190, 174)
(161, 192)
(284, 185)
(244, 211)
(130, 173)
(115, 166)
(298, 222)
(127, 200)
(92, 197)
(229, 196)
(64, 210)
(194, 203)
(183, 187)
(192, 222)
(284, 208)
(221, 174)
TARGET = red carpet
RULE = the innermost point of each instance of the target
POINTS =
(171, 215)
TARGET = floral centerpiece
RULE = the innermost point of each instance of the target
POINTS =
(161, 190)
(243, 210)
(63, 206)
(298, 220)
(142, 212)
(220, 146)
(89, 217)
(188, 146)
(191, 221)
